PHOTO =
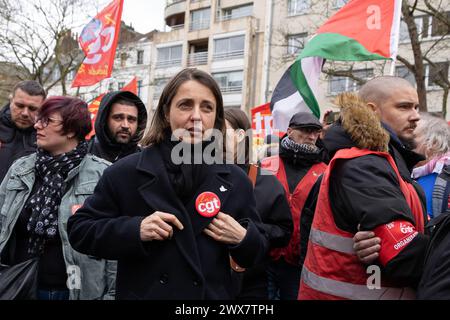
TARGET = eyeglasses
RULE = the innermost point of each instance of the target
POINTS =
(46, 121)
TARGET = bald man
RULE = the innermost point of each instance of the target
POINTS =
(365, 190)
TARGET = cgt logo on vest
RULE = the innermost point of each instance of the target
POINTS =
(207, 204)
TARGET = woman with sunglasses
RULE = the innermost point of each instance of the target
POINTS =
(38, 195)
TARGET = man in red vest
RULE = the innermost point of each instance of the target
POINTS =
(367, 186)
(297, 167)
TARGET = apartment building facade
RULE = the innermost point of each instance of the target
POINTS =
(222, 37)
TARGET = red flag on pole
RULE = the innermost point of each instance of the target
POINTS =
(93, 109)
(99, 41)
(132, 86)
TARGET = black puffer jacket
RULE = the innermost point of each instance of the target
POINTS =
(102, 145)
(14, 142)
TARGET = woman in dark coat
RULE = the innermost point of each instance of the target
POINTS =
(271, 205)
(171, 220)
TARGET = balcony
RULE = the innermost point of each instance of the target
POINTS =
(229, 55)
(168, 63)
(198, 58)
(174, 12)
(231, 89)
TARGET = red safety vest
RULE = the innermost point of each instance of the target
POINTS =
(296, 202)
(332, 270)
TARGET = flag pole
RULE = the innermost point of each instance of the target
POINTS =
(392, 67)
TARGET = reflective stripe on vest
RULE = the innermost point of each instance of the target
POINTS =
(354, 291)
(332, 269)
(332, 241)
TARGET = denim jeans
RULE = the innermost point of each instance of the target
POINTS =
(53, 294)
(283, 280)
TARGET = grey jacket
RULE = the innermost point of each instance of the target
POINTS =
(88, 277)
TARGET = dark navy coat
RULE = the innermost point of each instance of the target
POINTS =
(189, 266)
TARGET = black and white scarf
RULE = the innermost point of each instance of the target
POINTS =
(44, 203)
(300, 154)
(290, 144)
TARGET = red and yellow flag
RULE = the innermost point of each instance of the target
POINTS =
(99, 42)
(132, 86)
(93, 109)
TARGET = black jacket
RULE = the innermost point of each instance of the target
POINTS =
(435, 282)
(365, 192)
(102, 145)
(276, 221)
(189, 266)
(14, 142)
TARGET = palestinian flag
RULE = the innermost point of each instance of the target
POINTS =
(362, 30)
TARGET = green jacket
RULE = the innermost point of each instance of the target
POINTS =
(88, 277)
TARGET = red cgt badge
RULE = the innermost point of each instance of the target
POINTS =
(207, 204)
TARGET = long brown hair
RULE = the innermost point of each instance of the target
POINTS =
(239, 120)
(159, 122)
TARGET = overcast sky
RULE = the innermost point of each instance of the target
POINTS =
(145, 15)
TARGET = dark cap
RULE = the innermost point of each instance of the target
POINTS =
(304, 120)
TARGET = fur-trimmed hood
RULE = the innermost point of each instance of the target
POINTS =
(358, 126)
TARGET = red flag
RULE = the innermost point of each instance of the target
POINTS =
(99, 41)
(132, 86)
(93, 109)
(261, 123)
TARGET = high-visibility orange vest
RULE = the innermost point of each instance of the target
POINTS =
(296, 200)
(332, 270)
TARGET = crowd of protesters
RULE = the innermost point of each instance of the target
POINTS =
(178, 210)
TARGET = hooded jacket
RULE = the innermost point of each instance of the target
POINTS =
(364, 192)
(14, 142)
(102, 144)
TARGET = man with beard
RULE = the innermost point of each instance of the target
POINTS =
(297, 167)
(17, 134)
(120, 124)
(368, 186)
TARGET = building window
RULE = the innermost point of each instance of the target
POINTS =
(237, 12)
(405, 73)
(440, 27)
(111, 86)
(139, 88)
(428, 27)
(56, 74)
(340, 3)
(159, 85)
(120, 85)
(169, 57)
(295, 43)
(338, 84)
(229, 81)
(123, 59)
(229, 48)
(436, 74)
(296, 7)
(140, 57)
(200, 19)
(71, 75)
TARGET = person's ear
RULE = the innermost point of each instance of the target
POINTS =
(373, 107)
(289, 131)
